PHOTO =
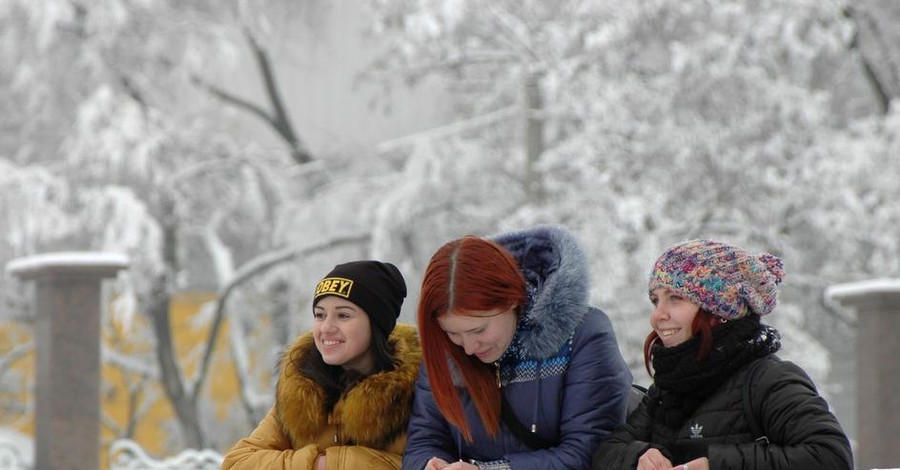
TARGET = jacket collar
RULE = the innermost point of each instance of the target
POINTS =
(300, 402)
(556, 271)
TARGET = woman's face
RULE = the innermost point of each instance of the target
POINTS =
(343, 334)
(672, 316)
(485, 336)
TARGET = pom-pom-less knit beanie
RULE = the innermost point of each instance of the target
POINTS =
(376, 287)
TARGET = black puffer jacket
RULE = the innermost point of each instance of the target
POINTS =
(802, 433)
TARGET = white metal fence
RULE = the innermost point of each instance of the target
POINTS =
(16, 451)
(125, 454)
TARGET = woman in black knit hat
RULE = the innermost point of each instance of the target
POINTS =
(344, 395)
(721, 399)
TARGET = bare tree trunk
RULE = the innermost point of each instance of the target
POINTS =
(879, 87)
(281, 318)
(158, 303)
(250, 270)
(533, 135)
(280, 121)
(278, 118)
(131, 422)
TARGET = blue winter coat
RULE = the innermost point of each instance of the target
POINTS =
(563, 373)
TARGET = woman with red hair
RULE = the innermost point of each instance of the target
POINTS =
(519, 371)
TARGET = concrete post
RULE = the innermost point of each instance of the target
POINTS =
(67, 336)
(877, 304)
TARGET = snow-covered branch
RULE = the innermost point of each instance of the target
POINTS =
(450, 129)
(248, 271)
(17, 352)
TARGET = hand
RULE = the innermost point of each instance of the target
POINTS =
(320, 462)
(653, 459)
(461, 466)
(697, 464)
(436, 464)
(441, 464)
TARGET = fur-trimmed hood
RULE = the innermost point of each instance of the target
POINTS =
(556, 270)
(371, 413)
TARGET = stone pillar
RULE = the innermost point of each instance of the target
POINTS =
(67, 337)
(877, 304)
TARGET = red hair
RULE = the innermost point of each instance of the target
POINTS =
(466, 276)
(702, 325)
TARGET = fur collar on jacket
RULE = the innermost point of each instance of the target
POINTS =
(556, 269)
(370, 414)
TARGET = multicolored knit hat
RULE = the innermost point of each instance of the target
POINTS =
(722, 279)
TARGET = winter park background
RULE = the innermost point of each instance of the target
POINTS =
(235, 151)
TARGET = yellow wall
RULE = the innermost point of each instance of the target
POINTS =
(12, 336)
(158, 425)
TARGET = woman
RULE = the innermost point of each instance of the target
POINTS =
(346, 388)
(720, 397)
(505, 325)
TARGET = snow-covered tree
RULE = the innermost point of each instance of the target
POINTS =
(771, 124)
(125, 142)
(661, 121)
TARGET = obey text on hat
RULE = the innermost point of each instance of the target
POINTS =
(334, 286)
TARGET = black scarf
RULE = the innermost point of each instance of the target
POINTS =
(684, 383)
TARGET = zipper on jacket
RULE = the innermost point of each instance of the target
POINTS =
(534, 414)
(497, 372)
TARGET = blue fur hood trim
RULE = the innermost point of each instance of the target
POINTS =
(556, 270)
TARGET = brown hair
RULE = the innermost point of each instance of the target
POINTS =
(701, 326)
(466, 276)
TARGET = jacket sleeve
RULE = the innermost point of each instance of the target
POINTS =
(627, 443)
(428, 432)
(594, 399)
(268, 447)
(801, 431)
(349, 457)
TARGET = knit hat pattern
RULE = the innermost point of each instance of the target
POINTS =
(723, 279)
(374, 286)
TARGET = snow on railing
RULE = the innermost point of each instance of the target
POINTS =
(11, 458)
(16, 451)
(125, 454)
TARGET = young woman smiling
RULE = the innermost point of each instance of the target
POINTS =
(345, 391)
(509, 338)
(720, 397)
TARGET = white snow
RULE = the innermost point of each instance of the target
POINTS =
(73, 259)
(16, 449)
(862, 288)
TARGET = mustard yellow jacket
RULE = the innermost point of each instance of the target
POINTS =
(365, 430)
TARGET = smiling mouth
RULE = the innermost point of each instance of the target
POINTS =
(330, 342)
(668, 332)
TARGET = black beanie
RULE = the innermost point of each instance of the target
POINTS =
(376, 287)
